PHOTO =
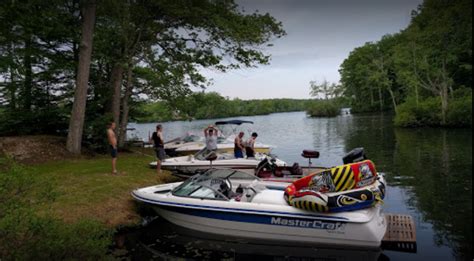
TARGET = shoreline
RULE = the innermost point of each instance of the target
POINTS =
(85, 189)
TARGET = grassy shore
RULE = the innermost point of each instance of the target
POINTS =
(87, 189)
(69, 208)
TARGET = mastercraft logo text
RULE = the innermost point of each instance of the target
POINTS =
(317, 224)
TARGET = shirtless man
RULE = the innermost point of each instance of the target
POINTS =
(112, 146)
(250, 146)
(238, 146)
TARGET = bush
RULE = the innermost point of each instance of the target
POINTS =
(26, 235)
(323, 108)
(427, 113)
(460, 109)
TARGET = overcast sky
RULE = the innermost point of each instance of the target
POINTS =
(320, 35)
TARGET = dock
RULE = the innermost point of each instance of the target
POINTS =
(400, 234)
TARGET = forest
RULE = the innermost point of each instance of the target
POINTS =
(67, 67)
(423, 74)
(211, 105)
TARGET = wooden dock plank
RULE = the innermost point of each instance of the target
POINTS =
(400, 234)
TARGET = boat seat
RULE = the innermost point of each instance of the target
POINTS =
(211, 157)
(310, 154)
(250, 191)
(270, 196)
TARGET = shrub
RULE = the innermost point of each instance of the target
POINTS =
(460, 109)
(323, 108)
(427, 113)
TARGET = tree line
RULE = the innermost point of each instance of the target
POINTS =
(423, 73)
(200, 105)
(69, 66)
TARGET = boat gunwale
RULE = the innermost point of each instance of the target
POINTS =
(247, 211)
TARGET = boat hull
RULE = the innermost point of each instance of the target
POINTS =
(223, 148)
(315, 231)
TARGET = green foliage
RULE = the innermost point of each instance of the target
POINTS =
(460, 109)
(212, 105)
(428, 112)
(430, 58)
(323, 108)
(26, 235)
(166, 43)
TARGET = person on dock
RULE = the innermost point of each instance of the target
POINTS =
(211, 137)
(250, 146)
(238, 146)
(112, 138)
(159, 146)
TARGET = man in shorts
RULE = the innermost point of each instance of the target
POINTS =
(112, 145)
(159, 146)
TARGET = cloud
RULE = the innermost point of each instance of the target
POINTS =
(321, 34)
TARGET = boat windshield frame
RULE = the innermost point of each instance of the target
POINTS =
(211, 180)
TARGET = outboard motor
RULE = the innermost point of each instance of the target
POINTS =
(355, 155)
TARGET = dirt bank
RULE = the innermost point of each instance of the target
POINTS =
(34, 149)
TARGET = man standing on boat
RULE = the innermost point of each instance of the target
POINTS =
(112, 145)
(211, 137)
(159, 146)
(238, 146)
(250, 146)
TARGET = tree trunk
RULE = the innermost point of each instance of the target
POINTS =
(76, 123)
(125, 108)
(28, 83)
(12, 90)
(116, 84)
(444, 102)
(381, 99)
(394, 101)
(416, 73)
(371, 98)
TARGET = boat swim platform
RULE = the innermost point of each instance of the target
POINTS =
(401, 233)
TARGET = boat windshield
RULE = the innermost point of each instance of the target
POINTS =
(203, 154)
(191, 138)
(209, 184)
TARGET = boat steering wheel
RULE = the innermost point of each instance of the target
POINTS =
(225, 186)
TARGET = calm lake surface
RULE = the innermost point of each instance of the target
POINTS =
(428, 171)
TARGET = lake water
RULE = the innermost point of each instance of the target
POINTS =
(428, 171)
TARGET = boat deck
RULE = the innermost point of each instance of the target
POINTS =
(401, 233)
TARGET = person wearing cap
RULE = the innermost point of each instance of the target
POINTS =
(211, 137)
(250, 146)
(238, 146)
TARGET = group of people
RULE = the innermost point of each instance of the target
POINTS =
(156, 138)
(240, 146)
(210, 133)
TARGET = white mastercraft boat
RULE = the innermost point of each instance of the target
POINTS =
(225, 143)
(200, 161)
(231, 202)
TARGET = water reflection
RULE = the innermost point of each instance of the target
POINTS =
(440, 165)
(434, 169)
(161, 240)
